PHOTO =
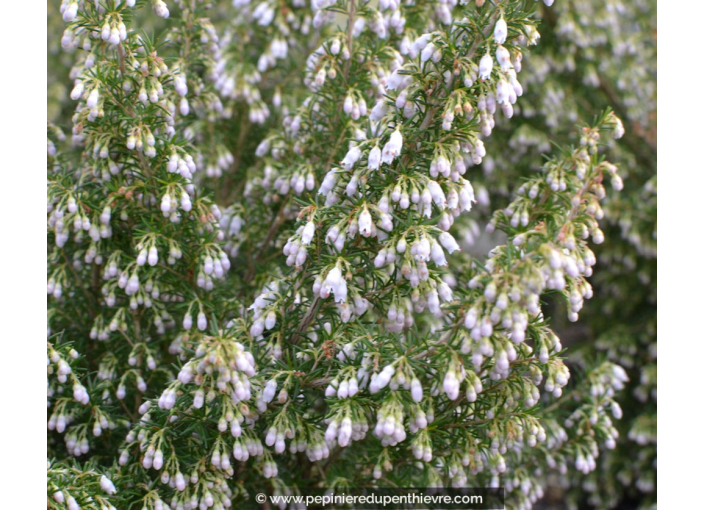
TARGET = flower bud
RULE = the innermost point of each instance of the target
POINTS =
(485, 66)
(500, 31)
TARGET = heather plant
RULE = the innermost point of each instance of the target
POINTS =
(595, 54)
(264, 271)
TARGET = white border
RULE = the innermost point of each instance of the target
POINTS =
(23, 255)
(681, 197)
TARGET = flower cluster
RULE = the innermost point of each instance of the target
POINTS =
(73, 489)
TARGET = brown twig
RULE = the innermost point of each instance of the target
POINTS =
(307, 319)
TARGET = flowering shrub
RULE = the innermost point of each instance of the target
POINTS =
(265, 270)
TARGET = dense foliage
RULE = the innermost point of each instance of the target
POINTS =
(266, 265)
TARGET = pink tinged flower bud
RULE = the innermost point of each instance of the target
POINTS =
(328, 182)
(437, 194)
(518, 334)
(380, 259)
(186, 202)
(257, 328)
(208, 265)
(423, 250)
(619, 130)
(77, 91)
(389, 425)
(166, 204)
(451, 385)
(486, 328)
(433, 302)
(114, 37)
(343, 390)
(142, 257)
(500, 31)
(387, 223)
(383, 204)
(427, 52)
(334, 277)
(270, 437)
(60, 424)
(485, 66)
(161, 9)
(93, 98)
(132, 285)
(320, 77)
(344, 437)
(298, 183)
(269, 391)
(107, 485)
(263, 148)
(236, 429)
(467, 197)
(379, 111)
(445, 292)
(402, 101)
(437, 254)
(365, 222)
(419, 44)
(270, 320)
(202, 321)
(180, 482)
(416, 390)
(393, 147)
(301, 256)
(131, 142)
(348, 105)
(401, 245)
(502, 91)
(68, 41)
(69, 15)
(516, 85)
(598, 236)
(198, 399)
(404, 201)
(351, 158)
(308, 233)
(374, 159)
(280, 445)
(331, 235)
(503, 57)
(353, 387)
(544, 355)
(331, 432)
(340, 291)
(385, 376)
(153, 257)
(619, 373)
(181, 85)
(105, 215)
